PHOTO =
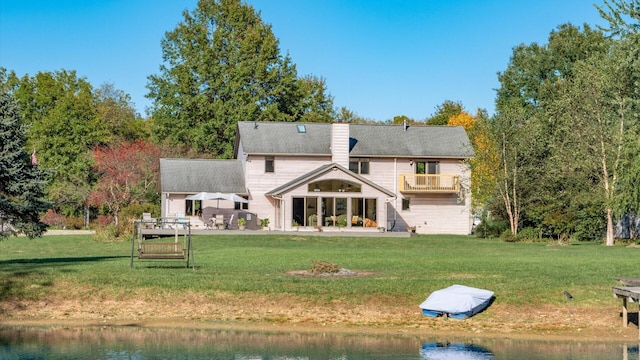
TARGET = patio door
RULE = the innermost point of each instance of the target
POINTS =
(428, 168)
(334, 211)
(304, 211)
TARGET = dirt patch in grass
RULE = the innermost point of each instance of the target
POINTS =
(341, 273)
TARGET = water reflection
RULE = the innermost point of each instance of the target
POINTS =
(458, 351)
(141, 343)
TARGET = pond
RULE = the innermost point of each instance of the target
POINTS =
(144, 343)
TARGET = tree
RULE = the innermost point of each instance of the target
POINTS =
(444, 112)
(65, 125)
(620, 15)
(315, 104)
(22, 182)
(485, 162)
(599, 107)
(222, 65)
(508, 132)
(129, 171)
(117, 111)
(551, 192)
(463, 119)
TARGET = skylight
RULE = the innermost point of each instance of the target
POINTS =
(301, 128)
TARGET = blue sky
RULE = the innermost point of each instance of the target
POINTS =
(379, 58)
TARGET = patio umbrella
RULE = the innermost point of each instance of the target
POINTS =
(237, 198)
(223, 196)
(201, 196)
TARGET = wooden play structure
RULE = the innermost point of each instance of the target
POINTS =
(152, 241)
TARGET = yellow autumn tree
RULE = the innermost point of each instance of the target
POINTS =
(463, 119)
(486, 160)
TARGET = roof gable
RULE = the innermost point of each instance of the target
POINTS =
(301, 180)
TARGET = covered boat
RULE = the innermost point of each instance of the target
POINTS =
(456, 301)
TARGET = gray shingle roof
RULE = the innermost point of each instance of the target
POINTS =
(392, 140)
(196, 175)
(371, 140)
(283, 138)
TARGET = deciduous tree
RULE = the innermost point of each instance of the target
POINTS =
(444, 112)
(222, 65)
(127, 173)
(65, 125)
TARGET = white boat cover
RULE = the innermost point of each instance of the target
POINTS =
(456, 299)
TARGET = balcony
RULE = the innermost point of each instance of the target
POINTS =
(429, 183)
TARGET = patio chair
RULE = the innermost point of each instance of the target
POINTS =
(219, 221)
(211, 223)
(313, 220)
(148, 222)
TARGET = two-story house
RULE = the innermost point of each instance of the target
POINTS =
(337, 176)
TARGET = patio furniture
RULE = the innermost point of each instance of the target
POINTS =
(211, 224)
(313, 220)
(148, 222)
(219, 222)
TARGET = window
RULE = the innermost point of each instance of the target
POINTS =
(269, 164)
(334, 185)
(240, 206)
(429, 167)
(359, 165)
(193, 207)
(301, 128)
(406, 203)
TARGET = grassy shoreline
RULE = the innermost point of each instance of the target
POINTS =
(246, 282)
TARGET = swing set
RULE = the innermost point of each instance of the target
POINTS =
(152, 243)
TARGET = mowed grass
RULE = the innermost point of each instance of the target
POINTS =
(403, 270)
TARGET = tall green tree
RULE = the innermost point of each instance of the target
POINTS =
(61, 110)
(624, 24)
(314, 103)
(444, 112)
(117, 111)
(22, 197)
(548, 186)
(222, 65)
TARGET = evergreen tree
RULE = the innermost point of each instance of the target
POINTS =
(22, 197)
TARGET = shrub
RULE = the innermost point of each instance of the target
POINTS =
(74, 223)
(101, 220)
(508, 236)
(106, 233)
(53, 219)
(491, 228)
(530, 234)
(264, 222)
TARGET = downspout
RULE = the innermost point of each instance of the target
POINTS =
(395, 190)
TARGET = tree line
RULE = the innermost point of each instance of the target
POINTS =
(559, 158)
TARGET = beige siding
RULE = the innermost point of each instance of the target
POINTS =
(286, 169)
(429, 213)
(429, 208)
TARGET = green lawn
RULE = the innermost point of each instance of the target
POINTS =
(405, 269)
